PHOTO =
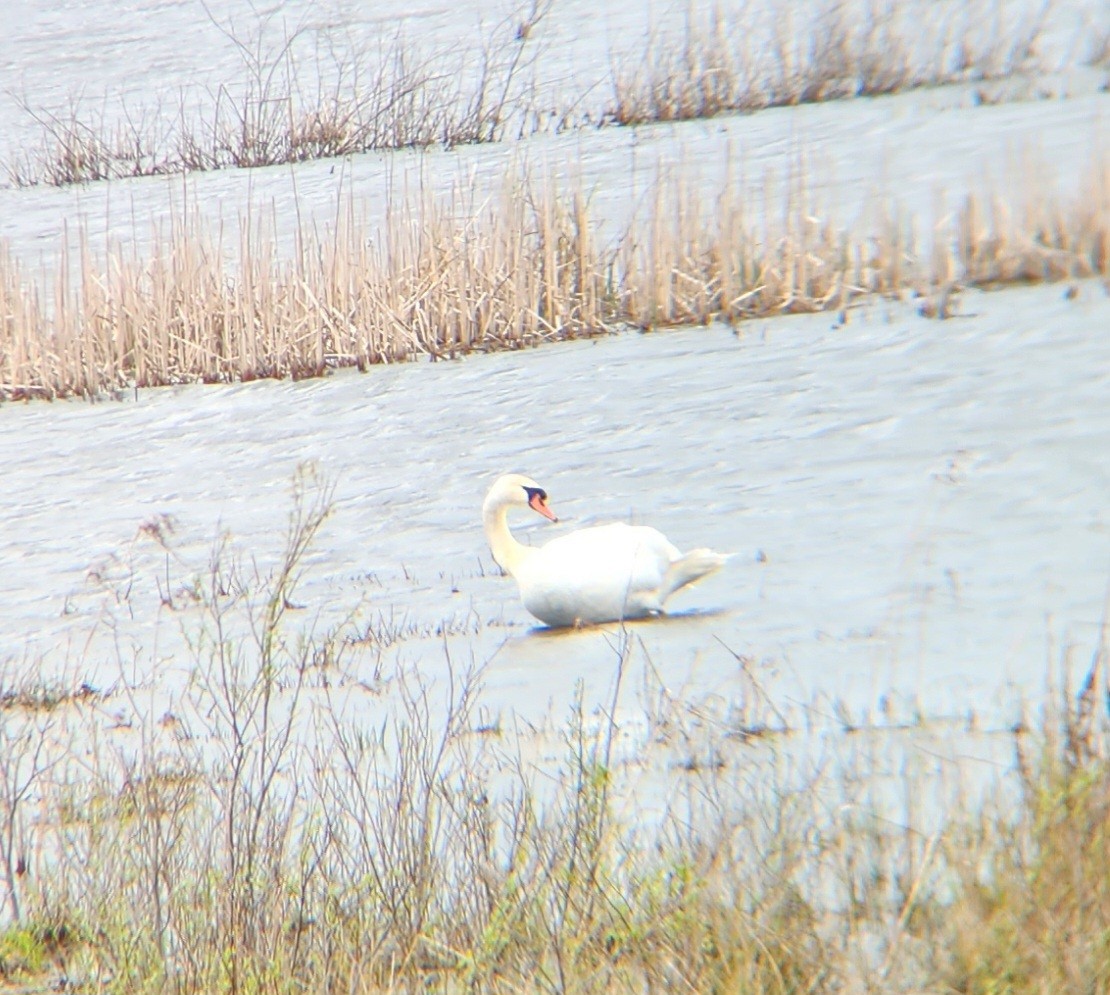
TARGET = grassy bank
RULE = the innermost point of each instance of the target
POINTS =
(272, 834)
(439, 280)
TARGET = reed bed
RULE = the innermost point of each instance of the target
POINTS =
(729, 60)
(528, 268)
(267, 837)
(292, 102)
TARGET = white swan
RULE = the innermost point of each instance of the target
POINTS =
(601, 574)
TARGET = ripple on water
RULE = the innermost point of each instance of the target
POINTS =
(869, 483)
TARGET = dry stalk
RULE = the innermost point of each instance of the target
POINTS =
(282, 108)
(527, 268)
(724, 62)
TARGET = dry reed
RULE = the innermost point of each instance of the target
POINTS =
(740, 61)
(287, 106)
(286, 109)
(525, 269)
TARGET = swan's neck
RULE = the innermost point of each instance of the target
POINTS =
(507, 552)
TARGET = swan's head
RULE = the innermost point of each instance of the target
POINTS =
(516, 490)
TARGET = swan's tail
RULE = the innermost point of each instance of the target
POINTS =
(693, 566)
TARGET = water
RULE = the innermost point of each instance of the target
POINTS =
(917, 510)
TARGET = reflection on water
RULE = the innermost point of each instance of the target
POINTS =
(631, 626)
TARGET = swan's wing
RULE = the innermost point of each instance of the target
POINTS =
(631, 554)
(598, 574)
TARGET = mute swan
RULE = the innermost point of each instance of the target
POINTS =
(602, 574)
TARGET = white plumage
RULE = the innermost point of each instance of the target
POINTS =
(602, 574)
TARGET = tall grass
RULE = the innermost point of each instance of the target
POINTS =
(290, 103)
(530, 267)
(735, 60)
(276, 838)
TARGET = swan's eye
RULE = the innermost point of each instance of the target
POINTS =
(537, 501)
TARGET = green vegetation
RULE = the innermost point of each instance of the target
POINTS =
(274, 839)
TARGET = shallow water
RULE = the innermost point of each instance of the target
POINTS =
(915, 154)
(917, 510)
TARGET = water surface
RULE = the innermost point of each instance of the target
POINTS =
(917, 508)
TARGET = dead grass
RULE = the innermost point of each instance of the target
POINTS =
(518, 274)
(732, 61)
(526, 269)
(290, 103)
(296, 98)
(276, 841)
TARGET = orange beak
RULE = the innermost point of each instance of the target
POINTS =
(538, 503)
